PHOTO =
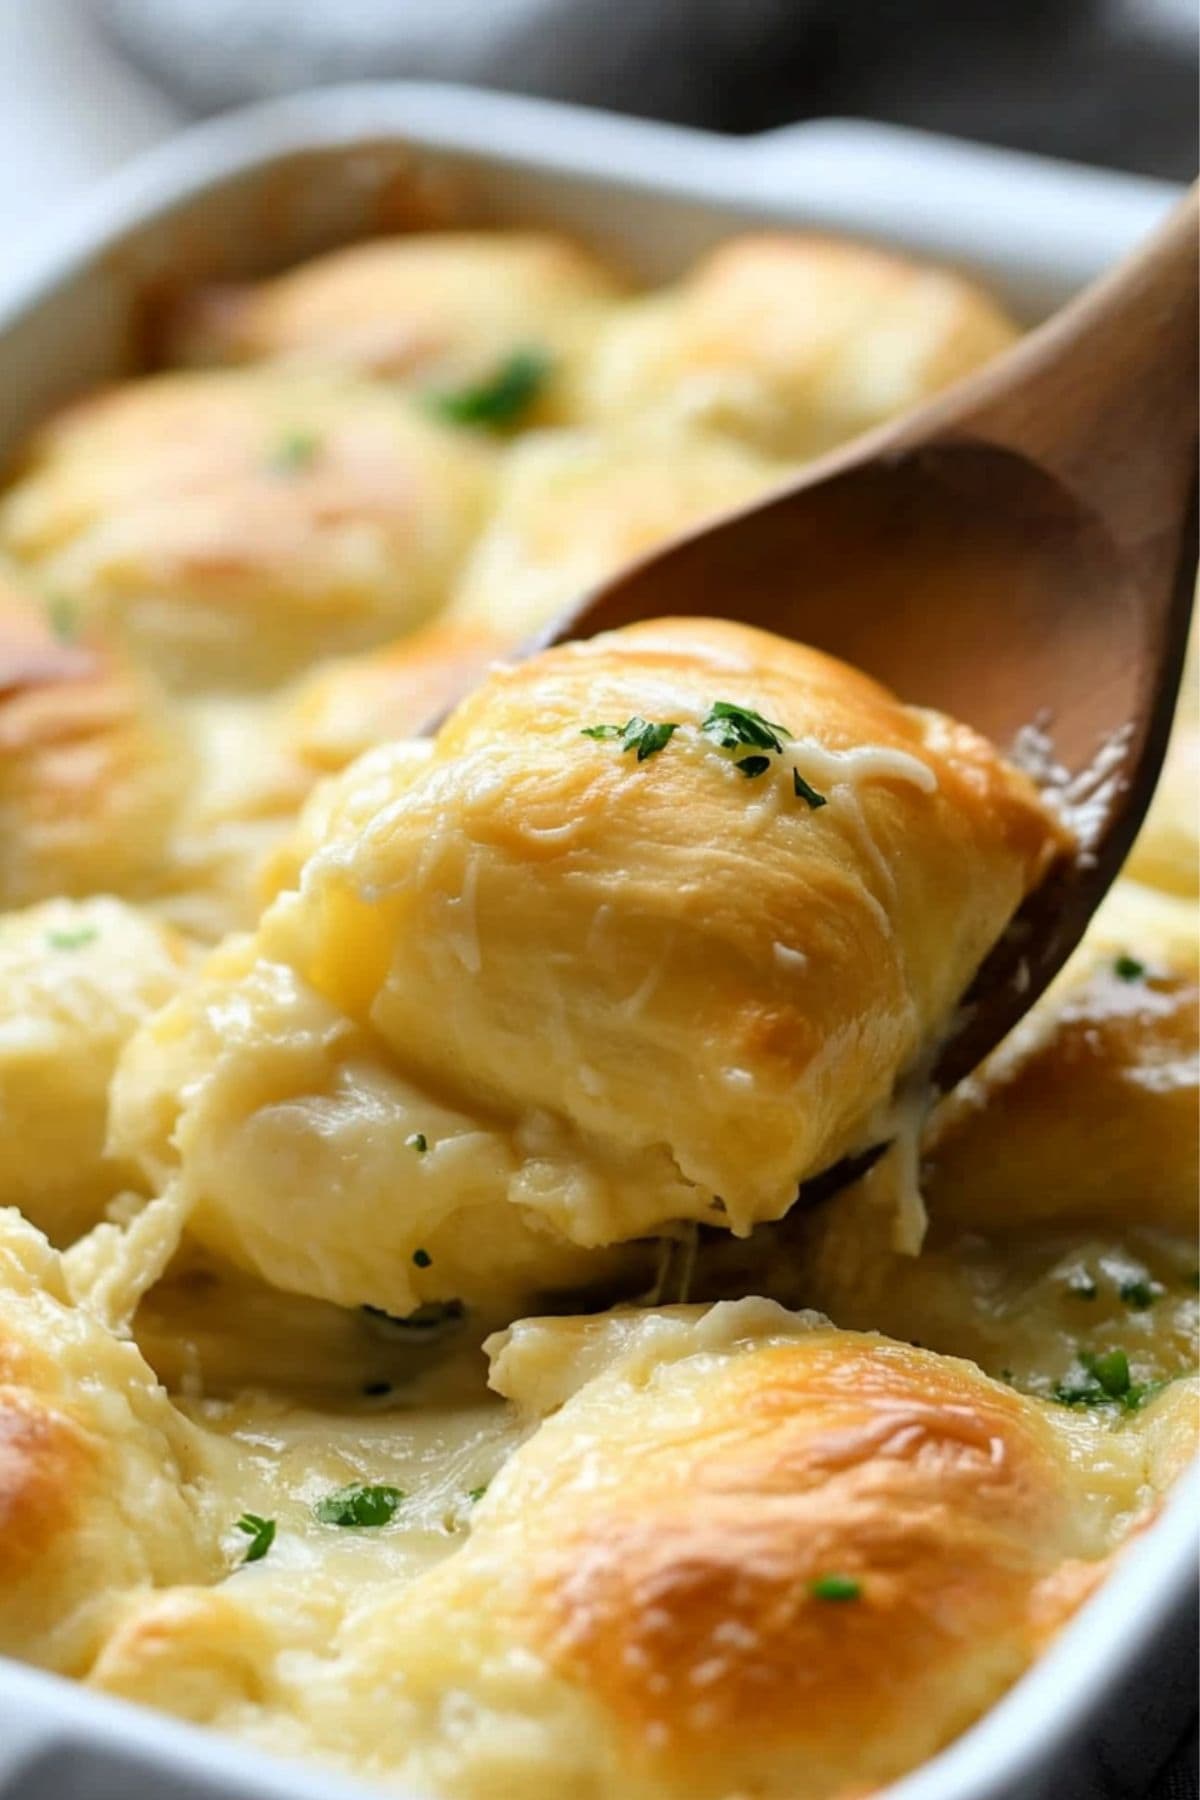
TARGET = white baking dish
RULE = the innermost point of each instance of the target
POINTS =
(261, 189)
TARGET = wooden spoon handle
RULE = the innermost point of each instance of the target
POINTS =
(1105, 394)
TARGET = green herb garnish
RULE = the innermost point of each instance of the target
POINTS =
(1128, 968)
(422, 1258)
(416, 1140)
(296, 450)
(500, 399)
(72, 940)
(803, 791)
(636, 734)
(261, 1533)
(835, 1587)
(731, 726)
(361, 1505)
(477, 1493)
(62, 614)
(1104, 1379)
(1140, 1292)
(753, 766)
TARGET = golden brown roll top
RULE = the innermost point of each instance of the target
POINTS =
(537, 994)
(98, 1473)
(93, 768)
(744, 1554)
(358, 702)
(1089, 1109)
(436, 309)
(573, 506)
(792, 343)
(233, 527)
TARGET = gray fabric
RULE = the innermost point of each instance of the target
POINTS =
(1105, 81)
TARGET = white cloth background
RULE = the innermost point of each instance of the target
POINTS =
(70, 110)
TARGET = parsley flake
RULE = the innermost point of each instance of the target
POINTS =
(261, 1533)
(500, 399)
(72, 940)
(637, 734)
(417, 1141)
(422, 1258)
(361, 1505)
(731, 726)
(753, 766)
(1140, 1292)
(1128, 968)
(803, 791)
(835, 1587)
(295, 450)
(477, 1493)
(1104, 1379)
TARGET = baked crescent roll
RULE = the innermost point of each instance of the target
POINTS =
(99, 1475)
(109, 785)
(1167, 851)
(93, 767)
(602, 983)
(353, 704)
(437, 309)
(1089, 1109)
(744, 1554)
(76, 978)
(792, 342)
(236, 526)
(574, 506)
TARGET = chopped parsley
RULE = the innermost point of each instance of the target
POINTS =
(731, 726)
(417, 1141)
(835, 1587)
(422, 1258)
(636, 734)
(296, 450)
(753, 766)
(477, 1493)
(1104, 1379)
(63, 615)
(72, 940)
(261, 1533)
(1140, 1292)
(1128, 968)
(499, 400)
(362, 1505)
(803, 791)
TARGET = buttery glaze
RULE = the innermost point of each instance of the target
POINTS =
(513, 1019)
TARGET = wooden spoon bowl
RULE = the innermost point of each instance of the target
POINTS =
(1020, 554)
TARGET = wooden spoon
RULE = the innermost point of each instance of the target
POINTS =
(1020, 554)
